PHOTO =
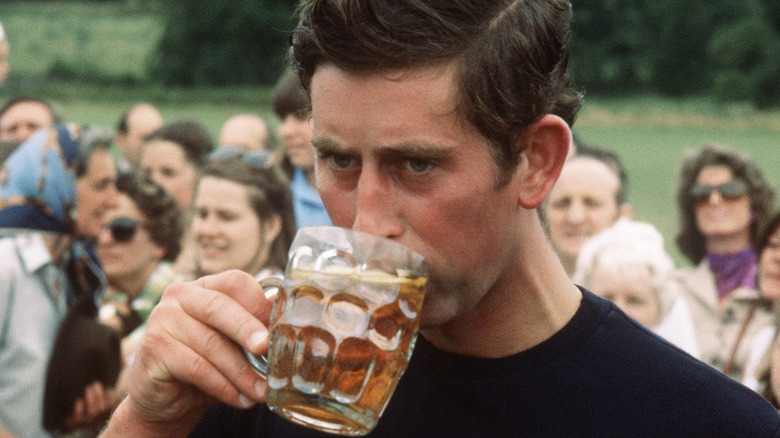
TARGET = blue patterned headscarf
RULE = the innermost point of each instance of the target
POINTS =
(38, 183)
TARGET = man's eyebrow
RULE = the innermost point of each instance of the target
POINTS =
(419, 150)
(326, 145)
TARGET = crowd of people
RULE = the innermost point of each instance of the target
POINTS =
(105, 219)
(96, 223)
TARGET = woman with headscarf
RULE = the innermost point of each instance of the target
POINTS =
(38, 202)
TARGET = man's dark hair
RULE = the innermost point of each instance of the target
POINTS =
(611, 160)
(289, 96)
(190, 136)
(511, 55)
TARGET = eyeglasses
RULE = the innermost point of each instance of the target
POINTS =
(122, 229)
(253, 157)
(731, 190)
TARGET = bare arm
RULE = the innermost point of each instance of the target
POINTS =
(191, 358)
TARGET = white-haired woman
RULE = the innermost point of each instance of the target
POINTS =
(627, 264)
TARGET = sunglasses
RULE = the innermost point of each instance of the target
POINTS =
(122, 229)
(731, 190)
(254, 157)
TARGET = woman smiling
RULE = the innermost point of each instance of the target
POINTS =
(243, 217)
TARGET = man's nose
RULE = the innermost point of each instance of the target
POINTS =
(376, 209)
(576, 212)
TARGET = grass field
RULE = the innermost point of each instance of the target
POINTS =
(113, 41)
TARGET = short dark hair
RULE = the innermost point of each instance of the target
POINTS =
(512, 55)
(91, 138)
(690, 240)
(289, 96)
(56, 117)
(612, 161)
(194, 140)
(162, 218)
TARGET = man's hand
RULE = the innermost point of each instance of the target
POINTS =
(191, 355)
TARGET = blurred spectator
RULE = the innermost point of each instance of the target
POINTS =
(247, 131)
(95, 182)
(135, 124)
(4, 69)
(172, 156)
(723, 200)
(627, 264)
(21, 116)
(758, 372)
(38, 204)
(243, 214)
(139, 239)
(291, 105)
(590, 195)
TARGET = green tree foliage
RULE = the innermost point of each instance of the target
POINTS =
(748, 56)
(221, 43)
(730, 48)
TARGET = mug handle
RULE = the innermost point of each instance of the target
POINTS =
(271, 286)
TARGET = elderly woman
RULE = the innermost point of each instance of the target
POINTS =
(627, 264)
(723, 200)
(47, 183)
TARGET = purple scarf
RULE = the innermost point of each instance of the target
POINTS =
(733, 270)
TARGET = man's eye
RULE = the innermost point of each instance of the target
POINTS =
(342, 161)
(418, 165)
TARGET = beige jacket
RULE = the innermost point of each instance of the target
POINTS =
(718, 325)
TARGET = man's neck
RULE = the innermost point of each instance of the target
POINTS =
(524, 308)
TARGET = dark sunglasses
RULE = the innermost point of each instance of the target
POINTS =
(730, 190)
(122, 229)
(258, 158)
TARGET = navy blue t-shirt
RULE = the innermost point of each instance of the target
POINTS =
(602, 375)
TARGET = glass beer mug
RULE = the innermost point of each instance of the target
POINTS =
(342, 327)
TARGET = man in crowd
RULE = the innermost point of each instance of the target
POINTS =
(21, 116)
(247, 131)
(139, 121)
(590, 195)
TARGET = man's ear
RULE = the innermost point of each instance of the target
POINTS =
(545, 149)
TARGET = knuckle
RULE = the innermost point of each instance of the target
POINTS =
(212, 342)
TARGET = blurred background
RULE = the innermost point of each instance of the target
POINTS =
(659, 76)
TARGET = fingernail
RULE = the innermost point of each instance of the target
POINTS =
(260, 387)
(244, 401)
(257, 338)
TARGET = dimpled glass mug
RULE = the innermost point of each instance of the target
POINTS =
(343, 327)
